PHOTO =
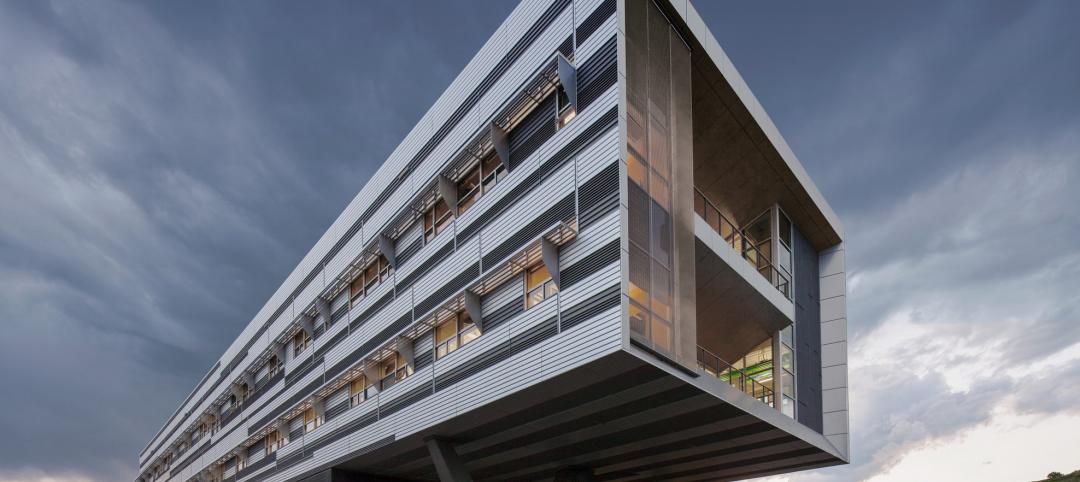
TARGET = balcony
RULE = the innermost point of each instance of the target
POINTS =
(742, 244)
(740, 379)
(742, 298)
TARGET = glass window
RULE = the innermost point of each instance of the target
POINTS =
(787, 407)
(389, 366)
(637, 59)
(783, 258)
(538, 285)
(550, 289)
(301, 340)
(787, 360)
(787, 384)
(436, 219)
(442, 216)
(454, 333)
(356, 290)
(479, 180)
(378, 271)
(358, 391)
(275, 366)
(469, 330)
(446, 338)
(538, 274)
(491, 170)
(371, 277)
(387, 373)
(785, 229)
(786, 336)
(469, 189)
(274, 441)
(385, 270)
(759, 229)
(394, 369)
(659, 66)
(311, 421)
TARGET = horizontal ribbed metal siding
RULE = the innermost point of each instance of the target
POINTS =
(561, 210)
(436, 258)
(605, 11)
(534, 130)
(599, 195)
(542, 23)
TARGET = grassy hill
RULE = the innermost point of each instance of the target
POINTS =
(1059, 477)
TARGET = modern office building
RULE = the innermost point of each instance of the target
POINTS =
(594, 258)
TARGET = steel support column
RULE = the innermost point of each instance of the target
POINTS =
(447, 463)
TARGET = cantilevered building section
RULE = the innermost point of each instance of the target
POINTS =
(594, 258)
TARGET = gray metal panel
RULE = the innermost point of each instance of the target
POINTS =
(807, 332)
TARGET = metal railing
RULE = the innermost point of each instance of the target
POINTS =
(715, 366)
(738, 241)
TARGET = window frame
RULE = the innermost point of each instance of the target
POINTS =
(301, 342)
(314, 422)
(487, 171)
(545, 288)
(274, 367)
(361, 286)
(275, 444)
(457, 339)
(435, 223)
(400, 370)
(358, 397)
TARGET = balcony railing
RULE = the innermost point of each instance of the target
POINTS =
(738, 241)
(735, 377)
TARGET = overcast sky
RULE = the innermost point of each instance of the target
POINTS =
(165, 165)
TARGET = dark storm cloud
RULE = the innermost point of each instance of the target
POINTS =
(894, 94)
(165, 165)
(944, 135)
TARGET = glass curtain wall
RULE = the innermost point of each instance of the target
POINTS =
(787, 371)
(786, 345)
(654, 53)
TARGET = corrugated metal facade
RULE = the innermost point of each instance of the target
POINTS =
(549, 165)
